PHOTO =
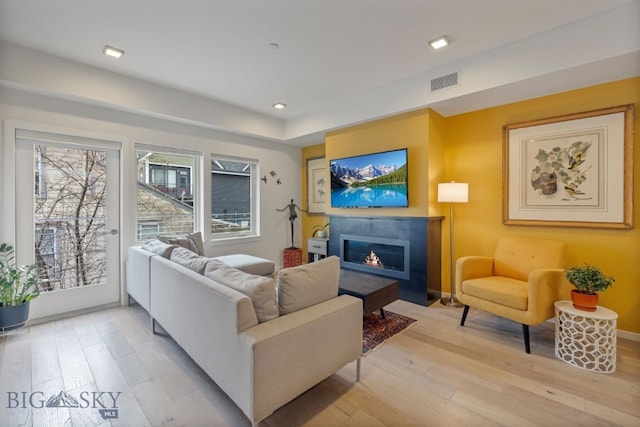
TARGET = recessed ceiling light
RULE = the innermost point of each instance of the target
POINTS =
(439, 43)
(113, 52)
(279, 106)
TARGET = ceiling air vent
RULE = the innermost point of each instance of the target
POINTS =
(444, 81)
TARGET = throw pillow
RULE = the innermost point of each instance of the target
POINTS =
(308, 284)
(249, 264)
(192, 241)
(159, 248)
(260, 289)
(189, 259)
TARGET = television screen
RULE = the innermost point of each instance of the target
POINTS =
(376, 180)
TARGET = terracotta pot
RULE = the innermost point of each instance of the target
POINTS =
(586, 302)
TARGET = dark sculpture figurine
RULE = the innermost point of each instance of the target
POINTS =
(292, 217)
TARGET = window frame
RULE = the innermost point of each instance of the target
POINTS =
(195, 183)
(254, 201)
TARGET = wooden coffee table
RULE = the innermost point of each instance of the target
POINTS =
(374, 291)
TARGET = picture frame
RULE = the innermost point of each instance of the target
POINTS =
(317, 186)
(574, 170)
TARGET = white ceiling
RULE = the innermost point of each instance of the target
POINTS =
(339, 61)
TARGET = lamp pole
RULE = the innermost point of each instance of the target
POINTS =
(452, 192)
(453, 301)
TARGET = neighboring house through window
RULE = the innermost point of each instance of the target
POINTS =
(233, 197)
(165, 202)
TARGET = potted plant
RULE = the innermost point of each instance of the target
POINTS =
(587, 280)
(320, 231)
(18, 286)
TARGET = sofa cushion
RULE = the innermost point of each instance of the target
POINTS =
(159, 248)
(308, 284)
(249, 264)
(260, 289)
(191, 241)
(189, 259)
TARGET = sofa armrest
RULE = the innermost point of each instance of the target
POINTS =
(292, 353)
(138, 275)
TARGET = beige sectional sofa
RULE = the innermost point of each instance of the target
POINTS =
(264, 342)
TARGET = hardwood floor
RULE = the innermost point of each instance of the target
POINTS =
(436, 373)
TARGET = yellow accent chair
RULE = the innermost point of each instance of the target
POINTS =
(520, 282)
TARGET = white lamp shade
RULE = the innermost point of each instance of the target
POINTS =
(453, 192)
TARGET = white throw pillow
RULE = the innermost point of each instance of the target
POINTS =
(260, 289)
(308, 284)
(159, 248)
(189, 259)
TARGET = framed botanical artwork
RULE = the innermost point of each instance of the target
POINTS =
(572, 171)
(317, 186)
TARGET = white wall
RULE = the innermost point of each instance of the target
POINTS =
(42, 110)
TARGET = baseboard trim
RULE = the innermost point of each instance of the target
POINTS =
(72, 314)
(627, 335)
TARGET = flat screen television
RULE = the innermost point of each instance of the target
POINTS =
(375, 180)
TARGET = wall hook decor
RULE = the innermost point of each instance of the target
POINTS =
(278, 181)
(264, 178)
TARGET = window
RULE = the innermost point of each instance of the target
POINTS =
(233, 197)
(165, 205)
(48, 241)
(41, 172)
(149, 230)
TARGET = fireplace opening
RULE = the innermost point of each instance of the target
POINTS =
(382, 256)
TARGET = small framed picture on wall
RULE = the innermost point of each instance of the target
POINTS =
(317, 186)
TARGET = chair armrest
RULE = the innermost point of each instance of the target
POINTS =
(544, 287)
(472, 267)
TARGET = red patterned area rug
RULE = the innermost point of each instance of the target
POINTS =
(376, 330)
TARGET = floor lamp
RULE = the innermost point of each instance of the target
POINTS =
(452, 192)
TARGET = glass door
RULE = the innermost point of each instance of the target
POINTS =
(67, 220)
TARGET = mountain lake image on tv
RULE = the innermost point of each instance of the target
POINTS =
(376, 180)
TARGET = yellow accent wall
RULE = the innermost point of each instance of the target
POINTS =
(468, 148)
(418, 132)
(473, 154)
(421, 132)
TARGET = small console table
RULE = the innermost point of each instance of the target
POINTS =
(317, 248)
(586, 339)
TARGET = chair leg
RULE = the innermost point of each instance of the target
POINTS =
(525, 333)
(464, 315)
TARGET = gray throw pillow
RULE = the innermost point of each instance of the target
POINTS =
(191, 241)
(260, 289)
(189, 259)
(159, 248)
(308, 284)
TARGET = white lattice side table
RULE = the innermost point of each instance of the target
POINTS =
(586, 339)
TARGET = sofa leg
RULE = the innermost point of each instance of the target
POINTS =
(153, 326)
(464, 315)
(525, 333)
(358, 369)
